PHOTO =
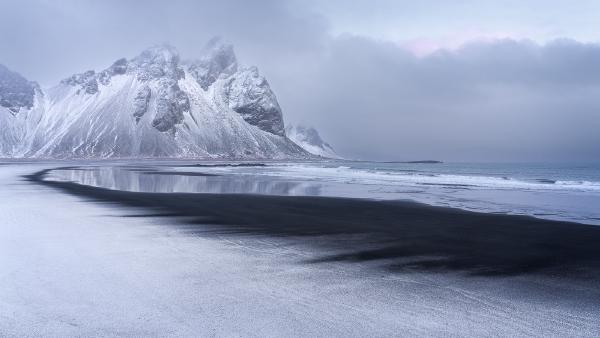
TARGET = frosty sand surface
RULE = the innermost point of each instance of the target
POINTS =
(71, 267)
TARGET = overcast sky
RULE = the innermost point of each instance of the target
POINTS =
(388, 80)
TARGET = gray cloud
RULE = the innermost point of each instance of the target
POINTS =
(503, 100)
(49, 39)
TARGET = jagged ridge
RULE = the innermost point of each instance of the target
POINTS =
(155, 105)
(15, 91)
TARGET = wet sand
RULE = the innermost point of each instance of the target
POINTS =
(407, 236)
(83, 261)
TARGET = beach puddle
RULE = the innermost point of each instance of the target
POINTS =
(169, 180)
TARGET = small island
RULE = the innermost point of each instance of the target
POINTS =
(416, 162)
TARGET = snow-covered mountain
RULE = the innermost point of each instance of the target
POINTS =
(309, 139)
(20, 106)
(154, 105)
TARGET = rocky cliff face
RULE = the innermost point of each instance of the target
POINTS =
(245, 90)
(218, 60)
(249, 94)
(153, 105)
(16, 92)
(21, 105)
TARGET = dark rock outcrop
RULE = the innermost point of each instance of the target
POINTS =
(16, 92)
(141, 101)
(172, 102)
(249, 94)
(87, 82)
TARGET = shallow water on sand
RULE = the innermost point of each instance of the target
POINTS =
(82, 261)
(570, 193)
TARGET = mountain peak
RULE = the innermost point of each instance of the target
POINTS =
(218, 59)
(16, 92)
(217, 43)
(156, 62)
(219, 50)
(309, 139)
(159, 53)
(153, 105)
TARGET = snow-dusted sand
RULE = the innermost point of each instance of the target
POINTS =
(73, 266)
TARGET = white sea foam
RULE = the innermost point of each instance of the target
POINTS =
(567, 199)
(346, 174)
(572, 200)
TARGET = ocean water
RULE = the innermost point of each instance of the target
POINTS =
(552, 191)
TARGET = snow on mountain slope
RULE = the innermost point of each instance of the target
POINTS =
(155, 105)
(21, 105)
(309, 139)
(16, 92)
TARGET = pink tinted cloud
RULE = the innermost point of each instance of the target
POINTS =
(424, 46)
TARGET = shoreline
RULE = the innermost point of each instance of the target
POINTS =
(151, 265)
(407, 236)
(567, 206)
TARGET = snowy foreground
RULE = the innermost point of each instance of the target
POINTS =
(72, 267)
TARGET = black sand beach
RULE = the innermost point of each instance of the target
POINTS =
(404, 236)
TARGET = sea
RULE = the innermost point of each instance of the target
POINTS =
(555, 191)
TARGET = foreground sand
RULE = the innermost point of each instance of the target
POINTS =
(82, 261)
